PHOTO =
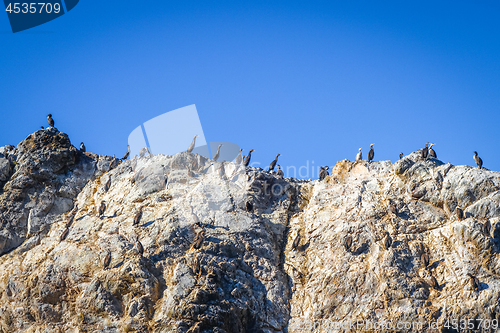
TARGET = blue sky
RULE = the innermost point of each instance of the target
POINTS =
(311, 80)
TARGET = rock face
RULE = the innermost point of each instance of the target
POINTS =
(184, 244)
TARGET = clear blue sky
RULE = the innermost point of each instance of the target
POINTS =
(312, 80)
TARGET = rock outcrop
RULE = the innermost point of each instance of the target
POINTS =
(184, 244)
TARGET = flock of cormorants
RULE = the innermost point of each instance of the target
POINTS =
(426, 152)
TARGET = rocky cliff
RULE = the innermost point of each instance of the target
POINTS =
(185, 244)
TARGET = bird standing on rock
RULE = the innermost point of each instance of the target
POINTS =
(478, 160)
(50, 120)
(217, 154)
(425, 259)
(273, 163)
(371, 153)
(191, 146)
(107, 260)
(433, 282)
(139, 246)
(392, 208)
(239, 159)
(348, 242)
(279, 173)
(425, 151)
(432, 153)
(198, 239)
(359, 156)
(107, 186)
(82, 148)
(126, 154)
(474, 282)
(246, 162)
(296, 241)
(401, 155)
(460, 213)
(102, 208)
(137, 217)
(487, 227)
(387, 241)
(323, 172)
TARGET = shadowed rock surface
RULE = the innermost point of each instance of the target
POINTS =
(244, 274)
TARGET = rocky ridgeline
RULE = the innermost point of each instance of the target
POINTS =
(184, 244)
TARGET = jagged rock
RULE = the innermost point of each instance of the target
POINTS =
(246, 275)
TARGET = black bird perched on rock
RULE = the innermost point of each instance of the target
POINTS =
(371, 153)
(102, 208)
(246, 162)
(42, 127)
(279, 173)
(249, 206)
(50, 120)
(432, 153)
(460, 213)
(64, 234)
(191, 146)
(425, 259)
(139, 246)
(273, 163)
(433, 282)
(198, 239)
(392, 208)
(478, 160)
(82, 148)
(387, 241)
(296, 241)
(487, 227)
(348, 242)
(107, 185)
(401, 155)
(323, 172)
(474, 282)
(425, 151)
(126, 154)
(137, 217)
(107, 260)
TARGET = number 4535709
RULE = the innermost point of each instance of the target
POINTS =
(33, 8)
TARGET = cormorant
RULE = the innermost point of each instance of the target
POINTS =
(460, 213)
(432, 153)
(64, 234)
(487, 227)
(239, 159)
(138, 216)
(139, 246)
(296, 241)
(478, 160)
(425, 259)
(217, 154)
(279, 173)
(102, 208)
(387, 241)
(371, 153)
(126, 154)
(191, 146)
(42, 127)
(107, 259)
(392, 208)
(249, 206)
(425, 151)
(107, 185)
(474, 282)
(143, 151)
(246, 162)
(273, 163)
(50, 120)
(323, 172)
(359, 156)
(348, 242)
(433, 282)
(198, 239)
(82, 148)
(401, 155)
